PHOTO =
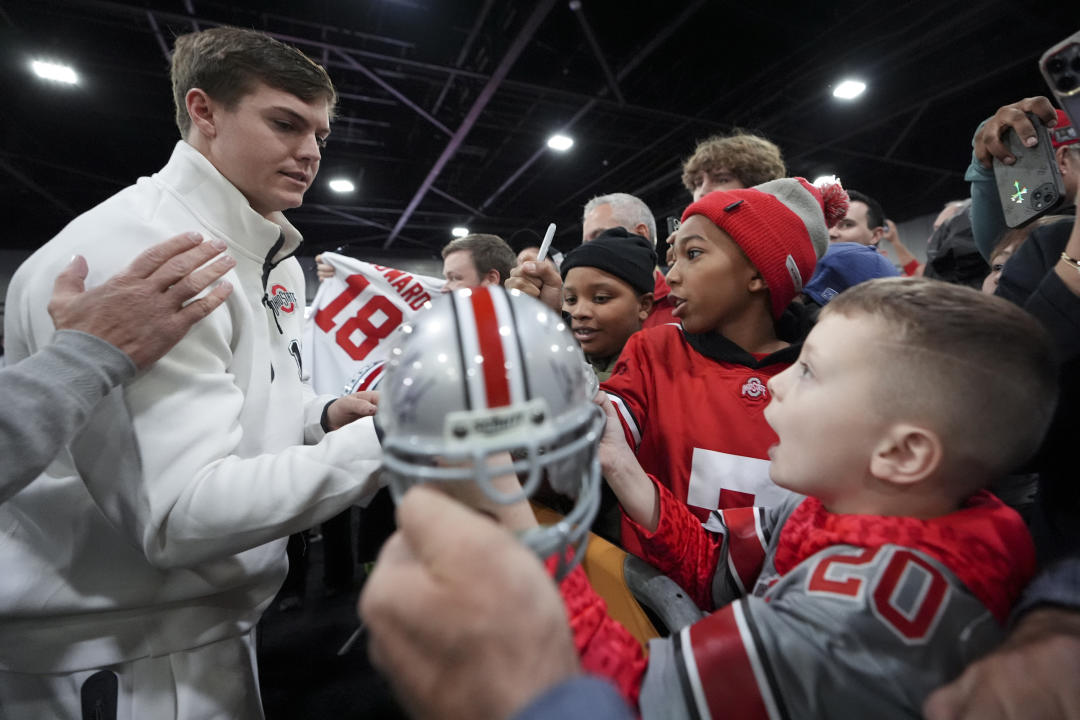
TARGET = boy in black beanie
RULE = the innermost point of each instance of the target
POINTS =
(607, 293)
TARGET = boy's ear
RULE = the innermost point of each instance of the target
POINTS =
(200, 108)
(907, 455)
(491, 277)
(757, 283)
(645, 306)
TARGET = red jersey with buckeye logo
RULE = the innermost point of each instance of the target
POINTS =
(692, 408)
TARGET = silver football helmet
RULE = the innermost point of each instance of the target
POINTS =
(483, 372)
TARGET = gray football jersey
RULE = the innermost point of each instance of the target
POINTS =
(849, 632)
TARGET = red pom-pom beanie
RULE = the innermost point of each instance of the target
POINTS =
(782, 226)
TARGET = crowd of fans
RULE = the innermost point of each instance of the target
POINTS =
(860, 473)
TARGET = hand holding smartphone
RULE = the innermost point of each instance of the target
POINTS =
(1032, 186)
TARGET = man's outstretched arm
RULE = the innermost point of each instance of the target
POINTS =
(105, 335)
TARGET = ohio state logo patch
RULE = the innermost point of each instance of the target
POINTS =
(281, 299)
(754, 389)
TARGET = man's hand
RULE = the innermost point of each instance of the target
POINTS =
(324, 270)
(351, 407)
(1033, 675)
(141, 310)
(541, 281)
(988, 143)
(462, 618)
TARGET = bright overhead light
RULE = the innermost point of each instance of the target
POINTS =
(559, 142)
(825, 180)
(341, 185)
(55, 72)
(460, 231)
(849, 89)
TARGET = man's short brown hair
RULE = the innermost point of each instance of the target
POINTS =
(227, 63)
(750, 158)
(489, 252)
(975, 368)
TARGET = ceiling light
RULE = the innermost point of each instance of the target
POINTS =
(341, 185)
(460, 231)
(55, 72)
(562, 143)
(849, 89)
(821, 180)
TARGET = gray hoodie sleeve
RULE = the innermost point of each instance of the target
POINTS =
(46, 398)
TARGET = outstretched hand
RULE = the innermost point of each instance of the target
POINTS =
(145, 309)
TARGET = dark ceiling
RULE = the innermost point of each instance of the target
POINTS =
(445, 106)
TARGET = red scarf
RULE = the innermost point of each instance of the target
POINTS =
(984, 543)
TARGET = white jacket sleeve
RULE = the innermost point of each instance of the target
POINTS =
(176, 466)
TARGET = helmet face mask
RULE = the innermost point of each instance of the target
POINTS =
(483, 373)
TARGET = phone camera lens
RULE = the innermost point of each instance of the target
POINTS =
(1055, 64)
(1075, 64)
(1065, 83)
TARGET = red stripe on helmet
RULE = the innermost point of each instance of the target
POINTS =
(496, 385)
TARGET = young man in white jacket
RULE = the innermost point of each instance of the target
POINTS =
(137, 564)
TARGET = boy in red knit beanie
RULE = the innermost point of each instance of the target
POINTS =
(691, 398)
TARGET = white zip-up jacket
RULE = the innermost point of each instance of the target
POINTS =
(161, 527)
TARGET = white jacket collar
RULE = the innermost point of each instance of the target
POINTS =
(221, 207)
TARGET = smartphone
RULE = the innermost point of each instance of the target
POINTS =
(1032, 186)
(1060, 65)
(672, 225)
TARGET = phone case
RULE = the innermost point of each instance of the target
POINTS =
(1060, 66)
(1033, 186)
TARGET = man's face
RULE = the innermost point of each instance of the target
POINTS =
(710, 278)
(599, 219)
(460, 271)
(268, 146)
(602, 217)
(824, 413)
(717, 178)
(855, 227)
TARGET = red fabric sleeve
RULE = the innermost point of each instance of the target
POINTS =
(606, 648)
(631, 383)
(681, 548)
